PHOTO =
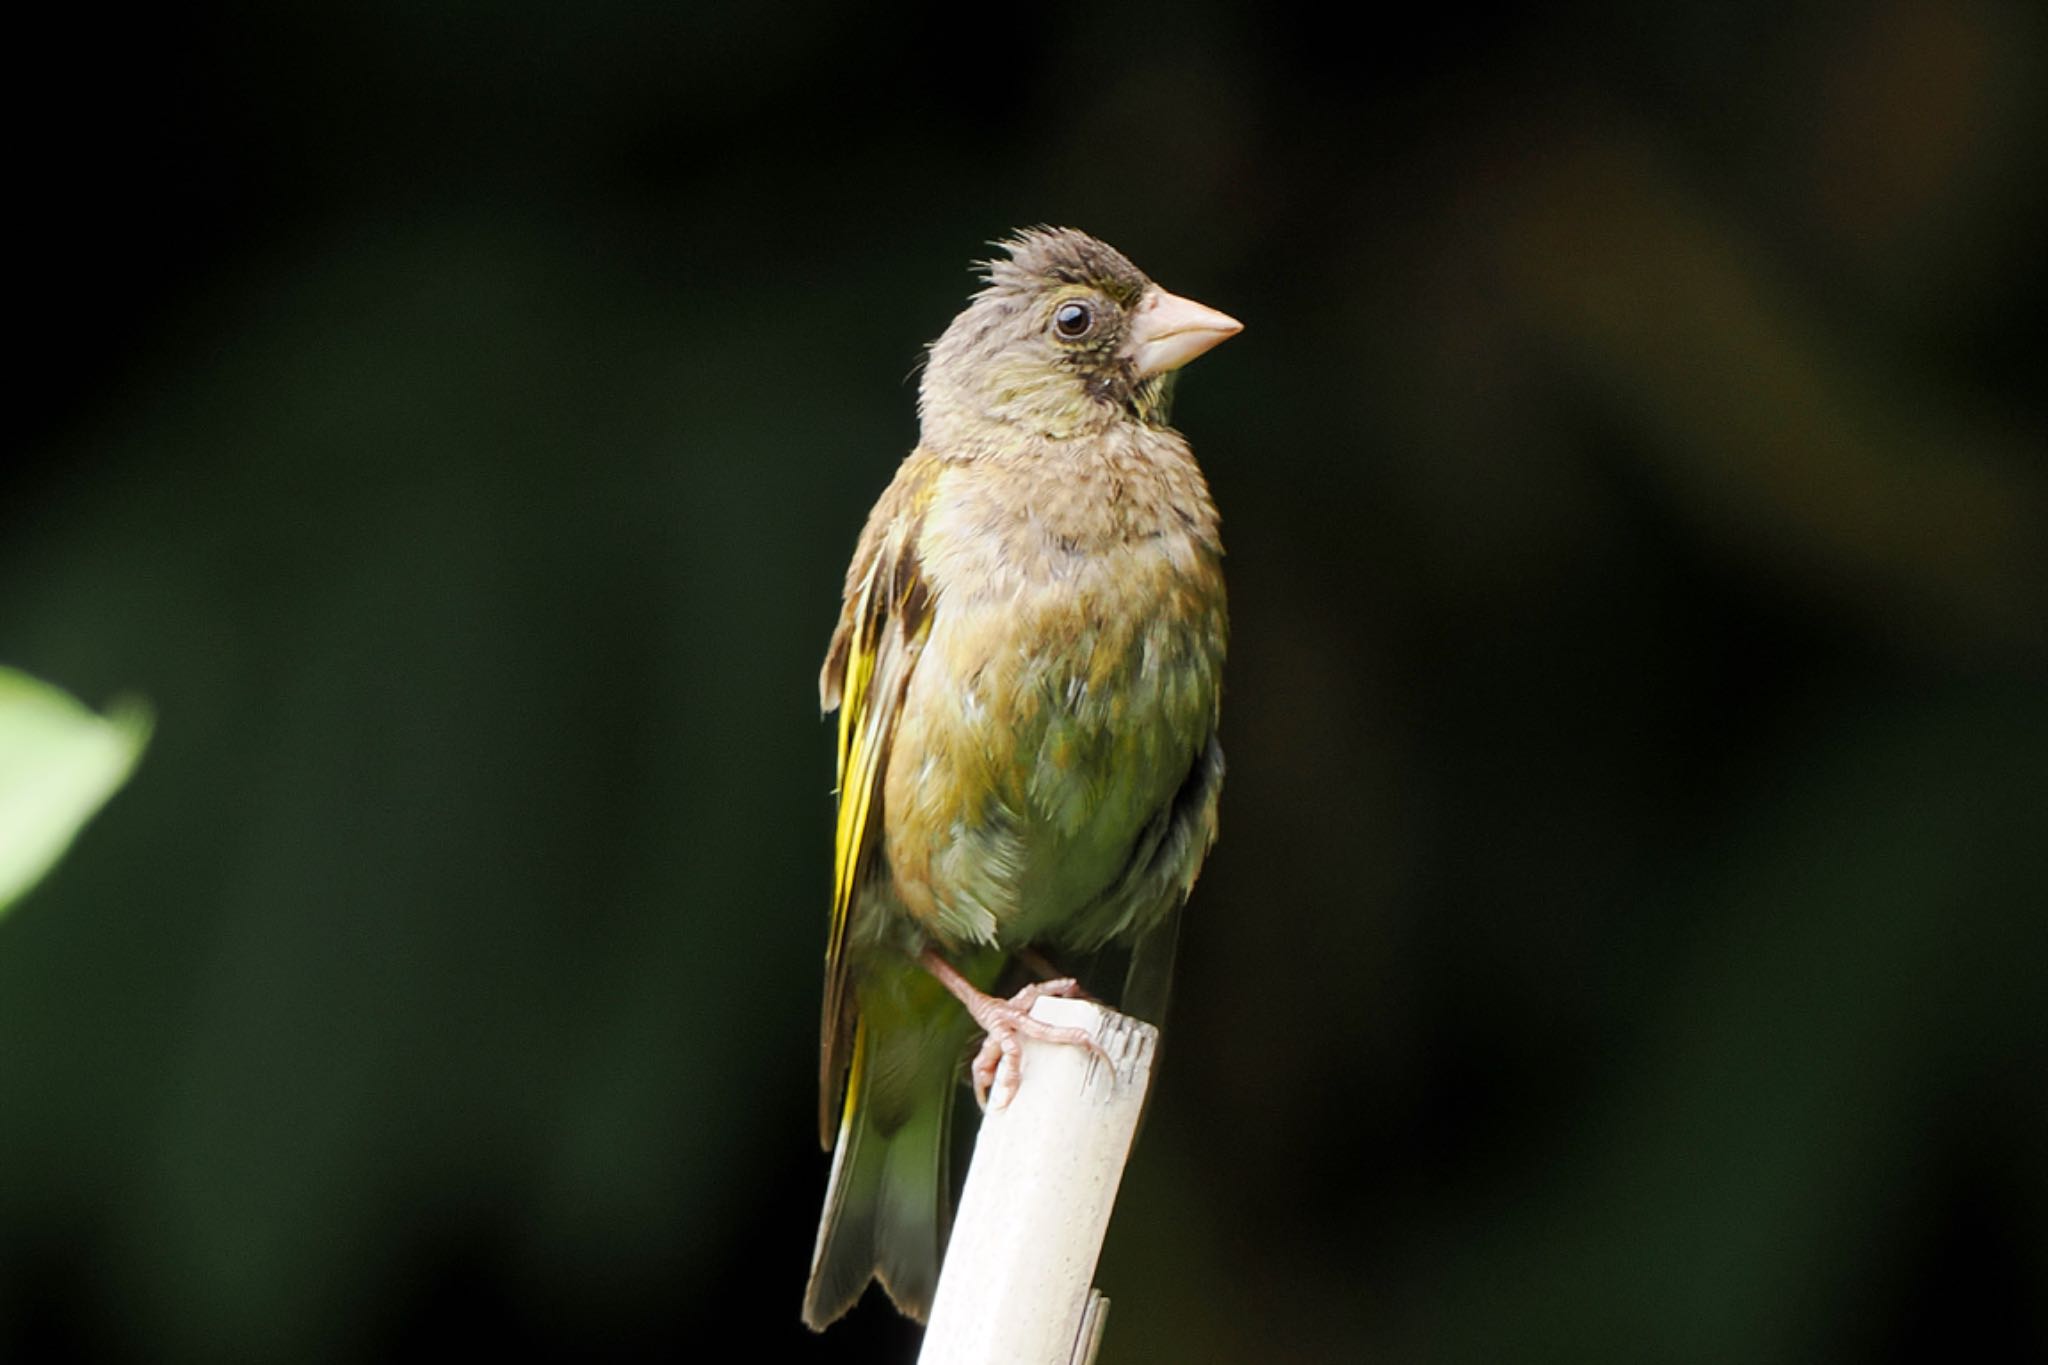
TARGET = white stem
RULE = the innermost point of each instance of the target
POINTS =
(1015, 1289)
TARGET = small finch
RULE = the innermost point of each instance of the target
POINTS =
(1027, 671)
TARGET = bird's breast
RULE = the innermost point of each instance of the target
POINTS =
(1068, 683)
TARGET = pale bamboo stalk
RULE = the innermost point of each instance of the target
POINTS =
(1016, 1287)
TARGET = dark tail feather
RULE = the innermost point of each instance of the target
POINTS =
(887, 1210)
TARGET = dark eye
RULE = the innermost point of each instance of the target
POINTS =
(1072, 320)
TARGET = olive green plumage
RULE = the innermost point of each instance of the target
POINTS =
(1027, 668)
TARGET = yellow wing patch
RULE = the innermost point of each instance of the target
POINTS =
(887, 617)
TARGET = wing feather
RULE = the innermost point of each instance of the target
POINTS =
(882, 628)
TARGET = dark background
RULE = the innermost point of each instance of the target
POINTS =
(1627, 939)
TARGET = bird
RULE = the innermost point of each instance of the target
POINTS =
(1027, 670)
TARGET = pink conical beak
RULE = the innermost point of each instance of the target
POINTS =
(1168, 331)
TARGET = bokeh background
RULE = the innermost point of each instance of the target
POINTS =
(1627, 940)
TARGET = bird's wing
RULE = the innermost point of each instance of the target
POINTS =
(882, 628)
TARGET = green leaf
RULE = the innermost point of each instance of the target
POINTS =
(58, 764)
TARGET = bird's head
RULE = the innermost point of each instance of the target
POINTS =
(1067, 339)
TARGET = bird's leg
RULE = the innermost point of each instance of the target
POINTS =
(999, 1066)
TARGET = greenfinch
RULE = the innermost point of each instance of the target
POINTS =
(1027, 670)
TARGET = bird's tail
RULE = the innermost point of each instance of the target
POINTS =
(887, 1209)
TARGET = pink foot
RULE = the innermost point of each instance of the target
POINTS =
(999, 1066)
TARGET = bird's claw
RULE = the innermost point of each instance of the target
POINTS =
(998, 1068)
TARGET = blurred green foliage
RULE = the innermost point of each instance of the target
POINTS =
(1625, 937)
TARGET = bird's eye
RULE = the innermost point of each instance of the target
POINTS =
(1072, 320)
